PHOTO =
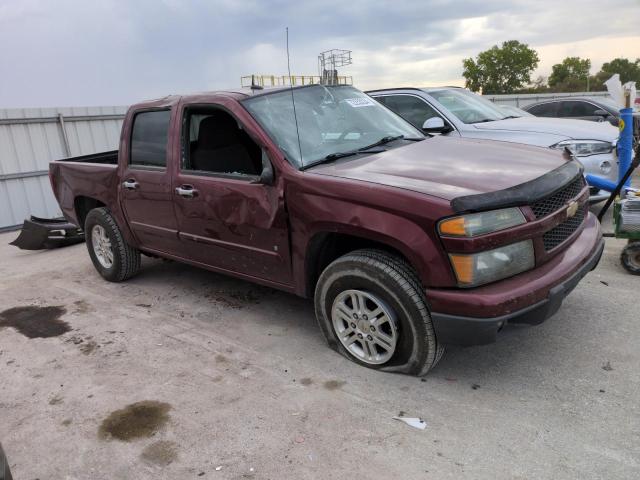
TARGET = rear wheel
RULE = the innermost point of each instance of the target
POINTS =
(114, 258)
(371, 308)
(630, 257)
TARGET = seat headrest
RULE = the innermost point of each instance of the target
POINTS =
(218, 130)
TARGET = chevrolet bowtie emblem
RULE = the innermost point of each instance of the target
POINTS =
(572, 209)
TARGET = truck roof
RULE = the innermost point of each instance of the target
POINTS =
(235, 93)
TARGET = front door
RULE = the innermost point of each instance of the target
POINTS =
(146, 190)
(226, 218)
(579, 110)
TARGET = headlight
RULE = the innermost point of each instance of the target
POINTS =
(584, 148)
(480, 223)
(479, 268)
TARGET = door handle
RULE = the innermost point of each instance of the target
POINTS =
(130, 184)
(186, 191)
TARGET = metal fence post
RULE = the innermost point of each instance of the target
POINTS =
(65, 139)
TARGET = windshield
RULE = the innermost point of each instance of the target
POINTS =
(331, 120)
(467, 106)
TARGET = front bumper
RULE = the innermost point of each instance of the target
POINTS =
(46, 233)
(474, 317)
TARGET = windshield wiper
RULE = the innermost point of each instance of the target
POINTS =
(333, 156)
(511, 116)
(382, 141)
(366, 149)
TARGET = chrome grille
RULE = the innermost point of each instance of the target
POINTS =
(557, 200)
(561, 232)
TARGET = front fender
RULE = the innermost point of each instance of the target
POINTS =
(414, 238)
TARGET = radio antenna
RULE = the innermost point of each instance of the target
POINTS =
(293, 101)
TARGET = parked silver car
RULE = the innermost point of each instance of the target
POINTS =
(457, 111)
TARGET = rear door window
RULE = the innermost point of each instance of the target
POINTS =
(544, 109)
(411, 108)
(149, 138)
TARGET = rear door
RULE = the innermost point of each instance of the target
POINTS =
(226, 218)
(145, 190)
(547, 109)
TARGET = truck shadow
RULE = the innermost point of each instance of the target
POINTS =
(521, 354)
(205, 288)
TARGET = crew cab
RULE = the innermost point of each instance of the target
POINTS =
(405, 242)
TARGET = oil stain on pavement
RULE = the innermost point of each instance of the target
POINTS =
(333, 384)
(138, 420)
(35, 322)
(160, 453)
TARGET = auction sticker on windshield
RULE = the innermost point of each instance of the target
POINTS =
(359, 102)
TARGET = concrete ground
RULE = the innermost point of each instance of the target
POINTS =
(182, 373)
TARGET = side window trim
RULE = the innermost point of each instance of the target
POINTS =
(151, 168)
(137, 166)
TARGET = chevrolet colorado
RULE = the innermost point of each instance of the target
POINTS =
(406, 242)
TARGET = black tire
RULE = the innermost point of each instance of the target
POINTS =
(394, 281)
(630, 257)
(126, 259)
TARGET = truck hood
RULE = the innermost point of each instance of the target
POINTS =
(449, 167)
(554, 128)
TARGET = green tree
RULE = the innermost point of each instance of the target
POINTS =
(571, 75)
(539, 85)
(629, 72)
(503, 69)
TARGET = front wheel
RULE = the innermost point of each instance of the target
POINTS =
(371, 309)
(112, 256)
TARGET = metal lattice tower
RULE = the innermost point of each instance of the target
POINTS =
(328, 63)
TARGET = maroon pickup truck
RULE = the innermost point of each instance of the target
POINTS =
(407, 243)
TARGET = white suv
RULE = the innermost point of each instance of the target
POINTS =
(457, 111)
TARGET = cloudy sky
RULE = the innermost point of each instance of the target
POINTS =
(114, 52)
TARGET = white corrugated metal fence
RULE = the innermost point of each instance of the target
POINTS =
(30, 138)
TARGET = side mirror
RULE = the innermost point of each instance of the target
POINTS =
(615, 121)
(266, 177)
(601, 113)
(435, 125)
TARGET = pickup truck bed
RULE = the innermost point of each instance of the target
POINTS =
(110, 157)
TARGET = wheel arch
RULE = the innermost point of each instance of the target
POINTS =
(326, 246)
(83, 205)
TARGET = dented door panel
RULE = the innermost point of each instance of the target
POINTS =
(235, 225)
